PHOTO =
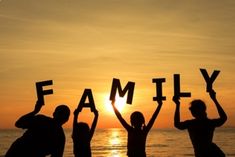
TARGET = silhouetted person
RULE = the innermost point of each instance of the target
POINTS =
(137, 131)
(44, 135)
(82, 135)
(201, 128)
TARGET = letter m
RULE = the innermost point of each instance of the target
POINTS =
(129, 89)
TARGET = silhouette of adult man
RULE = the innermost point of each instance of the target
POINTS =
(44, 135)
(201, 129)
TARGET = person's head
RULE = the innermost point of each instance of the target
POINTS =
(198, 109)
(82, 131)
(61, 114)
(137, 119)
(83, 127)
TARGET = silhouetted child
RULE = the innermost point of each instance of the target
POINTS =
(201, 128)
(82, 136)
(137, 131)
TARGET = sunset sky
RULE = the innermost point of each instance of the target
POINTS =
(86, 43)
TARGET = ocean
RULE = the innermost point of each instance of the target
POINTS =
(112, 142)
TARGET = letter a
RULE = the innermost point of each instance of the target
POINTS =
(91, 103)
(116, 85)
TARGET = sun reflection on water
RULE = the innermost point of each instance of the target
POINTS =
(116, 143)
(115, 140)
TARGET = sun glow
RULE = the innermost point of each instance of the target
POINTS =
(115, 139)
(119, 103)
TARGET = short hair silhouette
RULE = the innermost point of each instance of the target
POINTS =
(61, 114)
(198, 108)
(44, 135)
(201, 129)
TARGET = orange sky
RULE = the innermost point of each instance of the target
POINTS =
(85, 44)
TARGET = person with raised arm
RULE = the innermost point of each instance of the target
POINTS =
(137, 131)
(82, 135)
(201, 128)
(44, 135)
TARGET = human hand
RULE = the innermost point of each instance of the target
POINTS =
(37, 107)
(159, 101)
(76, 112)
(113, 103)
(96, 112)
(212, 94)
(176, 100)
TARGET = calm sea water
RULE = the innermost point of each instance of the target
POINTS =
(112, 142)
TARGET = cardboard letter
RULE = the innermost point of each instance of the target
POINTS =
(91, 103)
(41, 92)
(177, 92)
(116, 85)
(209, 80)
(159, 82)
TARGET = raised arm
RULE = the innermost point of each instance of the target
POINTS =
(75, 121)
(177, 123)
(154, 116)
(222, 115)
(94, 123)
(75, 117)
(120, 118)
(25, 120)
